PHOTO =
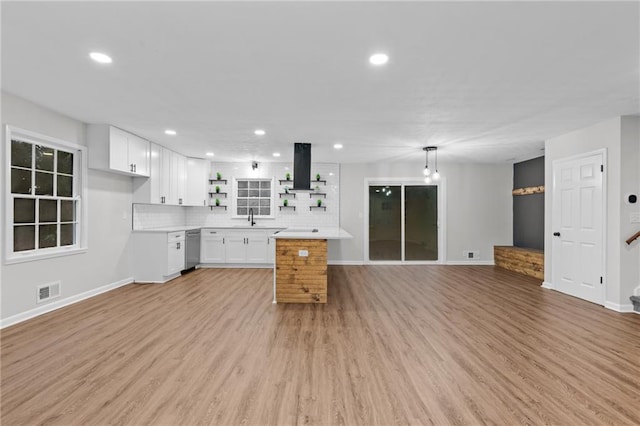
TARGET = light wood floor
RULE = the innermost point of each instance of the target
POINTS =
(394, 345)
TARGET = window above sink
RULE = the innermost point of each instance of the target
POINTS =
(255, 194)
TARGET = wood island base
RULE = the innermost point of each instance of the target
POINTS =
(301, 271)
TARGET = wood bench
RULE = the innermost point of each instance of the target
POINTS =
(522, 260)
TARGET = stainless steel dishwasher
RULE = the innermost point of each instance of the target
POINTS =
(192, 252)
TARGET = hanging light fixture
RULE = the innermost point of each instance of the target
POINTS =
(429, 177)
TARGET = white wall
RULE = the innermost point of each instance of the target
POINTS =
(478, 204)
(629, 183)
(109, 205)
(619, 136)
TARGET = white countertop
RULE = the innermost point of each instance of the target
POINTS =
(288, 233)
(308, 234)
(168, 229)
(188, 228)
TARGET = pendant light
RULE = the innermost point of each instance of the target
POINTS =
(429, 177)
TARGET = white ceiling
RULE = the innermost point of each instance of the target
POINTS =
(486, 82)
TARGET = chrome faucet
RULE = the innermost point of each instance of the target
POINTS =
(250, 218)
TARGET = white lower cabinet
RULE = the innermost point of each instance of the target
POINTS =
(158, 256)
(248, 246)
(212, 249)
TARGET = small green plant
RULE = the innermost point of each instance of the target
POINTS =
(287, 176)
(218, 176)
(217, 201)
(285, 202)
(217, 189)
(318, 176)
(319, 202)
(316, 189)
(286, 189)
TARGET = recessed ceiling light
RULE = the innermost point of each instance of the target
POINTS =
(170, 132)
(209, 154)
(100, 57)
(337, 146)
(276, 154)
(260, 132)
(379, 59)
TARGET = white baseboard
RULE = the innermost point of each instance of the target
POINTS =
(235, 265)
(32, 313)
(619, 308)
(345, 262)
(470, 262)
(548, 285)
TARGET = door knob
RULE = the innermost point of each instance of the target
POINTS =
(556, 234)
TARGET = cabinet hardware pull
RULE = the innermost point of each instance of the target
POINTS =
(178, 246)
(180, 201)
(135, 168)
(222, 240)
(131, 167)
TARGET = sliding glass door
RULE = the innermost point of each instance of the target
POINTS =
(385, 223)
(421, 222)
(403, 222)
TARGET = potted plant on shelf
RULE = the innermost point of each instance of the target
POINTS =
(285, 202)
(287, 176)
(218, 176)
(319, 202)
(318, 177)
(217, 202)
(286, 189)
(316, 189)
(217, 189)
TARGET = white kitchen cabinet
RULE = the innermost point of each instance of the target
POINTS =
(256, 248)
(181, 178)
(157, 256)
(167, 181)
(115, 150)
(197, 188)
(175, 256)
(237, 246)
(212, 249)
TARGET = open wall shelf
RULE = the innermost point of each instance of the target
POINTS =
(212, 181)
(318, 207)
(283, 181)
(318, 194)
(287, 194)
(287, 207)
(322, 181)
(218, 207)
(218, 194)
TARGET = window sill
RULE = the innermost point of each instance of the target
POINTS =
(18, 258)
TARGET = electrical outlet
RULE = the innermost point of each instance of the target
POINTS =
(303, 253)
(471, 254)
(634, 217)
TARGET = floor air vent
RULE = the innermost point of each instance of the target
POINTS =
(48, 291)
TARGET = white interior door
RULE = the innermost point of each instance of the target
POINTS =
(577, 225)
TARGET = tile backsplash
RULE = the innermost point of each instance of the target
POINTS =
(154, 216)
(147, 216)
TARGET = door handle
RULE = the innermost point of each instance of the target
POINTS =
(556, 234)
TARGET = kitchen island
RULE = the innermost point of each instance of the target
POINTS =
(300, 268)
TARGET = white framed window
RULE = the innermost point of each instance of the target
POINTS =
(253, 195)
(45, 196)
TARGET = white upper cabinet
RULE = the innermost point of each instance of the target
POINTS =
(117, 151)
(167, 179)
(197, 175)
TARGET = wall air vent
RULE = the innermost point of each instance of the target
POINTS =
(48, 291)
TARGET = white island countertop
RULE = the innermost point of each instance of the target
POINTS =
(309, 234)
